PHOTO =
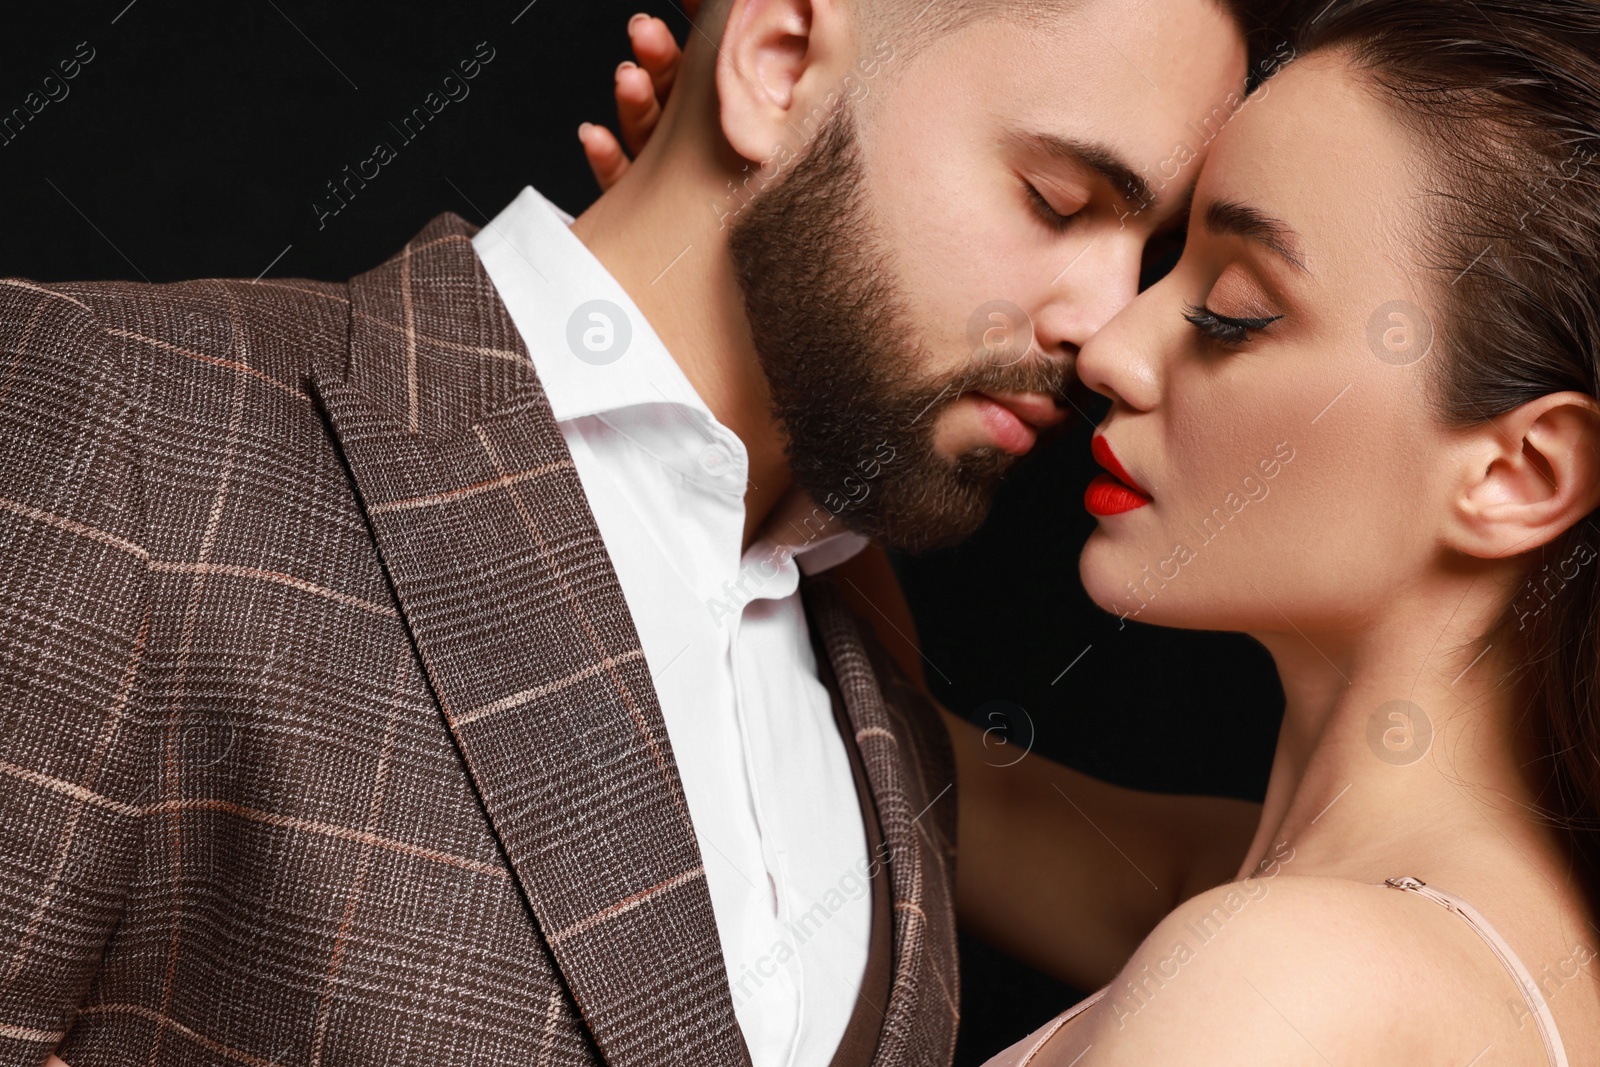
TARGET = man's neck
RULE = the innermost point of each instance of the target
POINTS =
(658, 236)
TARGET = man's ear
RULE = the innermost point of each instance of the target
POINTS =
(1530, 475)
(778, 58)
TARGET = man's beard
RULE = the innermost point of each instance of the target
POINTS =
(845, 363)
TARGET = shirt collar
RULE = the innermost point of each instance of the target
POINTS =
(549, 280)
(813, 536)
(545, 276)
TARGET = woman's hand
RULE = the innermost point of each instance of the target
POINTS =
(643, 85)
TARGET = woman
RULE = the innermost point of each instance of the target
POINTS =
(1383, 339)
(1375, 369)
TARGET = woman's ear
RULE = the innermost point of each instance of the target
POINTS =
(778, 58)
(1531, 474)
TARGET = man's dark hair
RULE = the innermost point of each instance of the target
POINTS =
(910, 24)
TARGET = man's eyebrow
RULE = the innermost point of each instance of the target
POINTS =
(1102, 159)
(1226, 217)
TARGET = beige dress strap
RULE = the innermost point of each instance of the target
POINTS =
(1025, 1051)
(1554, 1051)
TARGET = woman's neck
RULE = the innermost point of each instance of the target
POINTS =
(1395, 734)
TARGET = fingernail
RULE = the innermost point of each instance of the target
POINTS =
(636, 18)
(585, 128)
(626, 64)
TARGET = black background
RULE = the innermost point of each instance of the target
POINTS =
(198, 138)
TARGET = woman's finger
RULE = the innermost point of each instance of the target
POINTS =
(637, 108)
(606, 158)
(657, 52)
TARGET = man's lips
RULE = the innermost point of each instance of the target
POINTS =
(1114, 493)
(1015, 419)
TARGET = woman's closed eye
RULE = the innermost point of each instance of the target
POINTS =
(1223, 329)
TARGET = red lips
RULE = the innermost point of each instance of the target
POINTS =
(1114, 493)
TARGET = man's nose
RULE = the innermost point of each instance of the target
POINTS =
(1089, 294)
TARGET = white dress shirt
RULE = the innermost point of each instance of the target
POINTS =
(764, 769)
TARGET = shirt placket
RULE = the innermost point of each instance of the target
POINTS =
(775, 916)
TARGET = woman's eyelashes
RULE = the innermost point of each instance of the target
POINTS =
(1221, 328)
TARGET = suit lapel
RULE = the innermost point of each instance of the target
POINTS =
(908, 785)
(521, 627)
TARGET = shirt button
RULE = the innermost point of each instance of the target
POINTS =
(716, 459)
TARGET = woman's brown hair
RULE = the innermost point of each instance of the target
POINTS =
(1505, 95)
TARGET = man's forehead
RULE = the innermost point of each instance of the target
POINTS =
(1101, 75)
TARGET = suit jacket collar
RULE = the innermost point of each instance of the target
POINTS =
(519, 622)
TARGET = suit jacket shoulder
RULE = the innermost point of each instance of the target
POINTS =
(327, 736)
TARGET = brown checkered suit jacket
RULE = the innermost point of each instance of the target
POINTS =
(327, 738)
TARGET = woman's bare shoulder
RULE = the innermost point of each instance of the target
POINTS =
(1298, 970)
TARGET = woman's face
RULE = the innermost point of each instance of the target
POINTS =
(1287, 462)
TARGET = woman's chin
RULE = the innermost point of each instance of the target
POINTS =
(1106, 574)
(1099, 571)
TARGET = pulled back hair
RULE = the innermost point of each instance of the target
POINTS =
(1506, 97)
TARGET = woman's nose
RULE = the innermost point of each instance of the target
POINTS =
(1121, 360)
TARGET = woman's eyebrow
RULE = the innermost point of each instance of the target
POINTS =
(1225, 217)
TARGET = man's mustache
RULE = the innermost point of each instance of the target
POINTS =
(1034, 372)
